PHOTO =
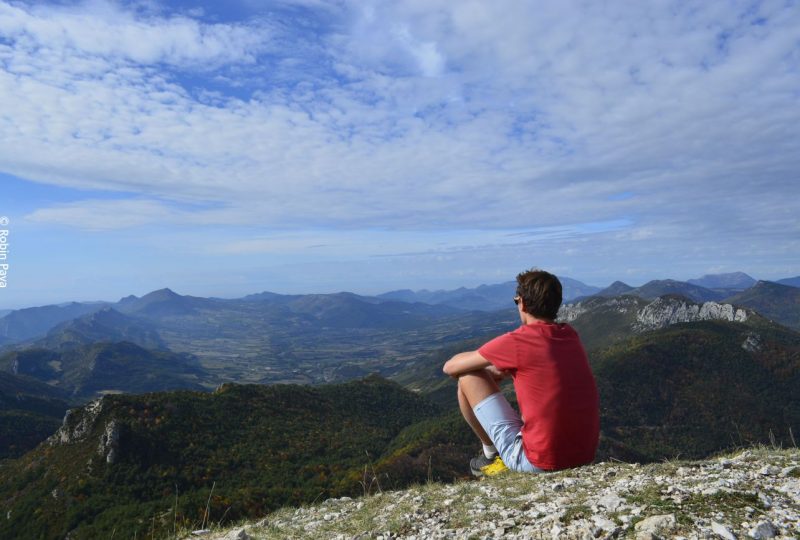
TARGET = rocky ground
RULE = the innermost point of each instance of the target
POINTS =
(751, 494)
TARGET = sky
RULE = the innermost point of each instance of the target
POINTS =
(297, 146)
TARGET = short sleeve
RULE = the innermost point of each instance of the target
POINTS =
(501, 351)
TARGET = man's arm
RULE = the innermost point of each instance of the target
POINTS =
(471, 361)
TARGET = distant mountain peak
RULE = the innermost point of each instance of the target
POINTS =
(731, 280)
(162, 302)
(792, 282)
(166, 292)
(765, 285)
(617, 288)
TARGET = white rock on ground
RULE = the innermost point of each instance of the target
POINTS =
(730, 497)
(655, 527)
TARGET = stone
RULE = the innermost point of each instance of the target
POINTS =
(611, 502)
(237, 534)
(762, 529)
(77, 424)
(722, 531)
(655, 526)
(769, 470)
(603, 522)
(109, 442)
(752, 343)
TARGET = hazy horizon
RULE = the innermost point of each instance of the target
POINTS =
(364, 292)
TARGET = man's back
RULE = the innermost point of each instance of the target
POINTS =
(559, 425)
(556, 392)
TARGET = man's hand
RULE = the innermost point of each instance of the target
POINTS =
(497, 374)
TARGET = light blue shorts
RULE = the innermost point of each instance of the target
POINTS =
(503, 425)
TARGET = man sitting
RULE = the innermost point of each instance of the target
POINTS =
(559, 426)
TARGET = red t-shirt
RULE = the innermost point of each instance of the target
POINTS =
(556, 392)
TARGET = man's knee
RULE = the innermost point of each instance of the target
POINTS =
(476, 386)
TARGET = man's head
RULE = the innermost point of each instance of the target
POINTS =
(540, 293)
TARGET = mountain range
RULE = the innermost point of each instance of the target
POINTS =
(265, 338)
(483, 297)
(677, 377)
(139, 464)
(348, 309)
(194, 342)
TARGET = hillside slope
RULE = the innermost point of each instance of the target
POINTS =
(780, 303)
(124, 456)
(602, 321)
(30, 411)
(89, 370)
(693, 389)
(755, 493)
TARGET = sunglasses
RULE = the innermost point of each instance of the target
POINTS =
(517, 299)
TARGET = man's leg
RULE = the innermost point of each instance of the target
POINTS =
(474, 387)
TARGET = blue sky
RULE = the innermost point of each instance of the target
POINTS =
(225, 148)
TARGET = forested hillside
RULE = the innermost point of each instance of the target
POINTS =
(120, 463)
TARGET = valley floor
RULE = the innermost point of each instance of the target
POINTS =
(753, 493)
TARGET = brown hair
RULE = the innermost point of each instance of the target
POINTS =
(540, 292)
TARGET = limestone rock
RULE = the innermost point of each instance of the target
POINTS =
(722, 531)
(665, 311)
(762, 530)
(752, 343)
(237, 534)
(591, 504)
(611, 502)
(655, 526)
(77, 424)
(109, 442)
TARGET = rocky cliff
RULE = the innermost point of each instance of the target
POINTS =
(751, 494)
(659, 313)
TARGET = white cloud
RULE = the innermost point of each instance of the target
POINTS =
(102, 29)
(415, 115)
(102, 215)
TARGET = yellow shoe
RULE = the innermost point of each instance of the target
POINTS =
(483, 466)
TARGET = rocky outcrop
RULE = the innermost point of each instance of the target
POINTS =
(753, 494)
(619, 304)
(109, 442)
(77, 424)
(666, 311)
(660, 313)
(753, 342)
(81, 424)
